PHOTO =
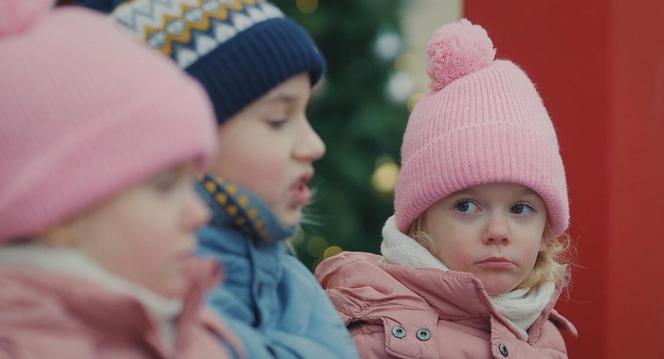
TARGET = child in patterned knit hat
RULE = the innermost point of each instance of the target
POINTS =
(258, 68)
(472, 261)
(98, 210)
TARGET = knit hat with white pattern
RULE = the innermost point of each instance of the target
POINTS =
(238, 49)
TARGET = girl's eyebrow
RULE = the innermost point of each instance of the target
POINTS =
(528, 193)
(526, 190)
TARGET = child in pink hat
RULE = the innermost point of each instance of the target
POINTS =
(473, 260)
(98, 210)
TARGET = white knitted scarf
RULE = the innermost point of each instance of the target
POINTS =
(521, 306)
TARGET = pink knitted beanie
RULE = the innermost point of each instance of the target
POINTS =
(482, 122)
(85, 112)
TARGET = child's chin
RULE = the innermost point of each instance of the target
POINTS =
(291, 217)
(176, 289)
(498, 288)
(175, 294)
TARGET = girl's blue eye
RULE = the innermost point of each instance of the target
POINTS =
(522, 209)
(467, 207)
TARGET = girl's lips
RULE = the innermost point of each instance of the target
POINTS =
(496, 263)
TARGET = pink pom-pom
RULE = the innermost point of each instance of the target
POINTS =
(18, 15)
(456, 50)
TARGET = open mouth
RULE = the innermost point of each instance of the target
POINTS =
(301, 192)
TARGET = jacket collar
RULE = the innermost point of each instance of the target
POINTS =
(69, 261)
(452, 295)
(120, 308)
(234, 206)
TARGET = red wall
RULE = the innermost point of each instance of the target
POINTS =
(599, 66)
(637, 154)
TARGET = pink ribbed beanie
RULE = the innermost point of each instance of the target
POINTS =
(482, 122)
(85, 112)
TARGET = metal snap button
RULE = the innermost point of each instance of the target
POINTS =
(423, 334)
(503, 350)
(398, 331)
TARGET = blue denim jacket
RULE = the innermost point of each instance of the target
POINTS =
(269, 299)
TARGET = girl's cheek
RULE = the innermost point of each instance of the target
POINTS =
(259, 177)
(465, 259)
(529, 255)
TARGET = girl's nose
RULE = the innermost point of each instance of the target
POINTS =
(309, 146)
(497, 230)
(197, 212)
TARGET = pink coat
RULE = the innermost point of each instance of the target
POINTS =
(50, 315)
(394, 311)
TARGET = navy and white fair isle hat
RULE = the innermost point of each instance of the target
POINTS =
(238, 49)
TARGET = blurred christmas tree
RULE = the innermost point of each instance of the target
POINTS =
(360, 112)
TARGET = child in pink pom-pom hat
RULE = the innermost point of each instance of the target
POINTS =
(474, 258)
(98, 210)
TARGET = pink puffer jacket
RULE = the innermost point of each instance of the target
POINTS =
(394, 311)
(52, 315)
